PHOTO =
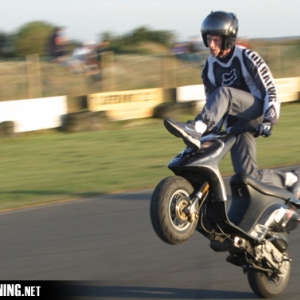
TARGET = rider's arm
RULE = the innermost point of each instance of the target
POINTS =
(265, 83)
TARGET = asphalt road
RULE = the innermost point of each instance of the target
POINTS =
(106, 246)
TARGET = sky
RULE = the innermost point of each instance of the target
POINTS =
(85, 20)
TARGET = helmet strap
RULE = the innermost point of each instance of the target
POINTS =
(227, 55)
(220, 55)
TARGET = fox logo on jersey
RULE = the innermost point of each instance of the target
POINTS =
(229, 78)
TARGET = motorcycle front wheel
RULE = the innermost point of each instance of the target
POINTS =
(267, 286)
(167, 210)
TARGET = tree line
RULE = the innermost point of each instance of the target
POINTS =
(33, 38)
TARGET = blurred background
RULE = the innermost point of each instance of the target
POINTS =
(39, 57)
(146, 58)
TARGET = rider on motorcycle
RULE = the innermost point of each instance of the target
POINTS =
(240, 89)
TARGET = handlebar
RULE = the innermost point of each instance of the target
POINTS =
(263, 130)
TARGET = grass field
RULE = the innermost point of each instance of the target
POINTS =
(51, 166)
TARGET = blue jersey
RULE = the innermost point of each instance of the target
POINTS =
(247, 71)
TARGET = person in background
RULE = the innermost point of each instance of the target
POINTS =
(101, 48)
(239, 89)
(77, 61)
(57, 44)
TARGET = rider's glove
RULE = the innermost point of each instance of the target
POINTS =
(264, 129)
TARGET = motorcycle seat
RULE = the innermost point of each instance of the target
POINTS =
(261, 187)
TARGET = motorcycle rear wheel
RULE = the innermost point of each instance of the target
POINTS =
(169, 199)
(266, 286)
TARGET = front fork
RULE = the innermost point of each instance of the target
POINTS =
(192, 210)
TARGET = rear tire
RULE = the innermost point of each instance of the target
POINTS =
(168, 201)
(267, 287)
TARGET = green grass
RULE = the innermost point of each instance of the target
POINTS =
(39, 168)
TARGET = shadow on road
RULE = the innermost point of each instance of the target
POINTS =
(94, 290)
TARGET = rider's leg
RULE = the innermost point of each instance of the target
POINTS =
(222, 101)
(243, 156)
(226, 100)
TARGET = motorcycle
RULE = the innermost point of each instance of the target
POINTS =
(255, 227)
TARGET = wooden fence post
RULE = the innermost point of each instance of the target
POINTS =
(169, 71)
(33, 76)
(108, 71)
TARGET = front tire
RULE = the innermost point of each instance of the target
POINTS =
(266, 286)
(169, 199)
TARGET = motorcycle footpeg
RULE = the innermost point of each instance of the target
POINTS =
(233, 259)
(218, 246)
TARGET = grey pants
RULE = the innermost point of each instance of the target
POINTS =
(229, 101)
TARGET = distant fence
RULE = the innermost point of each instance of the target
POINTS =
(31, 90)
(35, 78)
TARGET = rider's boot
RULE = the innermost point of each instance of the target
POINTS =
(186, 131)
